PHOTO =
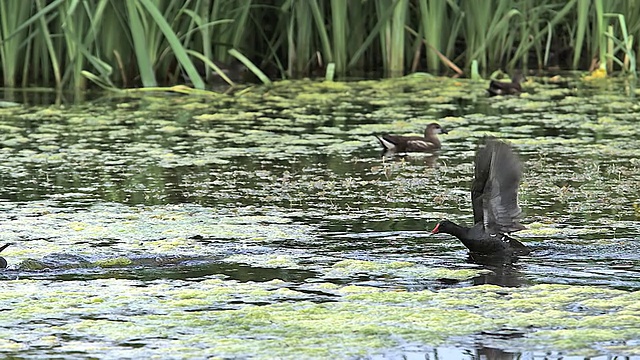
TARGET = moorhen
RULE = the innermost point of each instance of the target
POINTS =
(506, 88)
(494, 197)
(3, 262)
(402, 144)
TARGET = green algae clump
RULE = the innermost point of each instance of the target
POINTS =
(114, 262)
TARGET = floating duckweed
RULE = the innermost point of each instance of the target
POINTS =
(353, 289)
(280, 261)
(10, 345)
(266, 260)
(459, 274)
(333, 85)
(424, 316)
(170, 129)
(114, 262)
(401, 269)
(577, 340)
(318, 97)
(359, 265)
(31, 264)
(541, 231)
(212, 199)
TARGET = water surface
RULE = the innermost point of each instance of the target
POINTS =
(266, 224)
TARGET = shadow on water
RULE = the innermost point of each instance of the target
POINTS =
(502, 271)
(70, 268)
(429, 159)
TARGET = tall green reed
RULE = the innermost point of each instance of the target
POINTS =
(148, 42)
(435, 27)
(14, 32)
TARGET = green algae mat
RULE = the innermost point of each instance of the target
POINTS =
(265, 224)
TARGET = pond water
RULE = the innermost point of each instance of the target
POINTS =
(265, 224)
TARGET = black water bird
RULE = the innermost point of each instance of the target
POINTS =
(402, 144)
(507, 88)
(494, 196)
(3, 262)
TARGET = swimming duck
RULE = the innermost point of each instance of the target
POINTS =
(494, 197)
(506, 88)
(3, 262)
(401, 144)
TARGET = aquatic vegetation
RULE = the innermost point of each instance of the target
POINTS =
(371, 318)
(180, 226)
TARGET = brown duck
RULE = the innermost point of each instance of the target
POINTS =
(506, 88)
(402, 144)
(494, 196)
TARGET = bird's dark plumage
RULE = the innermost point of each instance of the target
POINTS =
(3, 262)
(402, 144)
(494, 197)
(506, 88)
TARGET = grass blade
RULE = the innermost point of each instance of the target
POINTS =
(254, 69)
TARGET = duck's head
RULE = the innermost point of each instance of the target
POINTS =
(518, 78)
(442, 227)
(434, 129)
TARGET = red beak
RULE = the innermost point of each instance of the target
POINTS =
(435, 229)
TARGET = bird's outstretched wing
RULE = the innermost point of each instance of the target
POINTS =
(494, 192)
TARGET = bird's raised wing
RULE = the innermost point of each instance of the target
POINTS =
(481, 175)
(494, 191)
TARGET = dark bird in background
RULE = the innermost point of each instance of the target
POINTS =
(494, 196)
(402, 144)
(507, 88)
(3, 262)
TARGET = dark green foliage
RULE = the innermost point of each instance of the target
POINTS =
(150, 42)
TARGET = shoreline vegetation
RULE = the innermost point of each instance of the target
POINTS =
(70, 44)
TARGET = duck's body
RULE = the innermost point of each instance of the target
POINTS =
(402, 144)
(3, 262)
(506, 88)
(480, 241)
(494, 195)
